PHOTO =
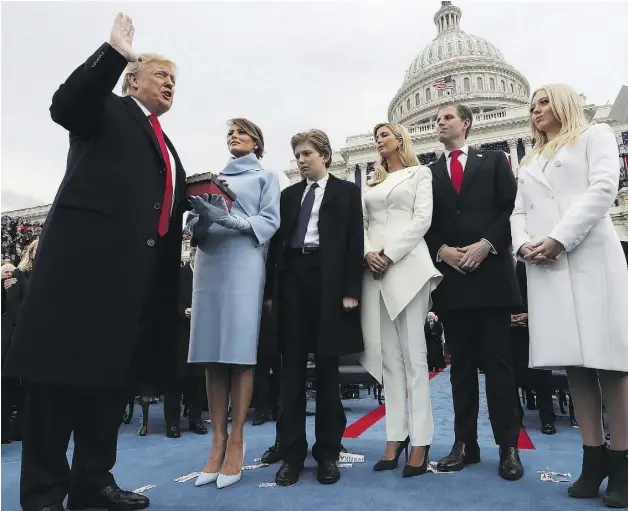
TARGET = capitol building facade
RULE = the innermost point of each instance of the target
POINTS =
(455, 66)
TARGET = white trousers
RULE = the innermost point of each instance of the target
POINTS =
(404, 360)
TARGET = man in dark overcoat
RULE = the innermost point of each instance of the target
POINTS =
(82, 337)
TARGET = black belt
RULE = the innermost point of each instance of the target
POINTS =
(302, 250)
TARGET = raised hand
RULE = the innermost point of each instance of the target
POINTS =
(122, 36)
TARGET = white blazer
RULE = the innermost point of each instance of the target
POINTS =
(397, 214)
(578, 305)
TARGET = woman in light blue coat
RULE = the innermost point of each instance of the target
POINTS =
(229, 277)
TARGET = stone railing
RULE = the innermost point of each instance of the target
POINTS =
(484, 118)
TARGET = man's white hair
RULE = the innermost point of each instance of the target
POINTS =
(143, 60)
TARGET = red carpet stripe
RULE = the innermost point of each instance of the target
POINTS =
(524, 440)
(363, 423)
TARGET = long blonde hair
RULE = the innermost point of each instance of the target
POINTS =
(566, 106)
(406, 153)
(28, 257)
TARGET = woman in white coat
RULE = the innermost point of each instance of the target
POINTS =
(396, 295)
(577, 277)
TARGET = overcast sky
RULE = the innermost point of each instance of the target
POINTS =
(288, 66)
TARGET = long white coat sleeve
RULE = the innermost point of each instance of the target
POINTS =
(602, 156)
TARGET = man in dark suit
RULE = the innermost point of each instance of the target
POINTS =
(190, 379)
(315, 265)
(538, 379)
(102, 324)
(474, 194)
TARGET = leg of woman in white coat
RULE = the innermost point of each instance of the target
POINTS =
(404, 356)
(598, 461)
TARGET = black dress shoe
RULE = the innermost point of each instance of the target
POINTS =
(198, 427)
(548, 429)
(328, 472)
(510, 466)
(111, 498)
(461, 455)
(173, 431)
(259, 419)
(288, 474)
(272, 455)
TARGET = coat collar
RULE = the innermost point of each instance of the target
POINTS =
(140, 117)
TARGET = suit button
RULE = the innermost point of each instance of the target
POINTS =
(162, 171)
(157, 205)
(150, 242)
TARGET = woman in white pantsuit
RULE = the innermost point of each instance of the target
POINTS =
(396, 295)
(577, 277)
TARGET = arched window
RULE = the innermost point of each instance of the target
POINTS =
(453, 87)
(512, 88)
(408, 104)
(480, 83)
(503, 84)
(428, 95)
(467, 85)
(417, 99)
(400, 109)
(492, 83)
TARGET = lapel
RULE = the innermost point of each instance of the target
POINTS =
(535, 170)
(331, 191)
(475, 159)
(439, 171)
(396, 178)
(293, 206)
(142, 120)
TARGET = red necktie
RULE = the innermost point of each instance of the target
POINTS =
(455, 169)
(166, 205)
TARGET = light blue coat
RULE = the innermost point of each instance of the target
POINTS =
(229, 270)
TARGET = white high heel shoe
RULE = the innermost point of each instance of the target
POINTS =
(223, 481)
(206, 478)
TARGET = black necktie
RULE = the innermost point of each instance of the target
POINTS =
(298, 238)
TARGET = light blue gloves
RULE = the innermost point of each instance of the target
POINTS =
(213, 209)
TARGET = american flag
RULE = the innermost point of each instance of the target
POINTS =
(444, 83)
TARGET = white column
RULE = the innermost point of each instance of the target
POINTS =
(527, 143)
(514, 156)
(363, 174)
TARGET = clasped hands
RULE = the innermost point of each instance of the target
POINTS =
(377, 262)
(466, 259)
(544, 251)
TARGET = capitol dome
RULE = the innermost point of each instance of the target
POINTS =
(456, 66)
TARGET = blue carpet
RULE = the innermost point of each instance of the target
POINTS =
(157, 460)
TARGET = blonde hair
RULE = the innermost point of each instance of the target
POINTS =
(406, 153)
(566, 106)
(28, 257)
(142, 62)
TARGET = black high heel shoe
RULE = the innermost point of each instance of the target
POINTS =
(412, 471)
(383, 464)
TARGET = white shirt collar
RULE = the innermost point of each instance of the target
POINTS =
(139, 103)
(464, 149)
(322, 182)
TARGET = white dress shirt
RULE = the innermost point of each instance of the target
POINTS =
(462, 158)
(311, 235)
(173, 165)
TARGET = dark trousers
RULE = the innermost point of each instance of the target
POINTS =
(267, 385)
(193, 390)
(481, 338)
(300, 315)
(538, 379)
(51, 414)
